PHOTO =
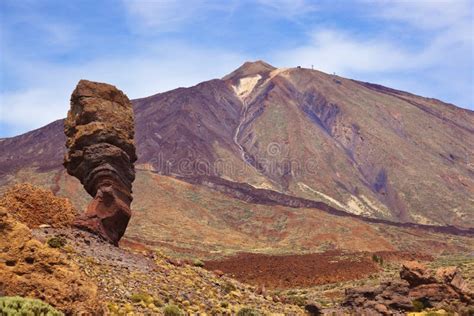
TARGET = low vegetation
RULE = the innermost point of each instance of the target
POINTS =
(248, 312)
(56, 242)
(173, 310)
(12, 306)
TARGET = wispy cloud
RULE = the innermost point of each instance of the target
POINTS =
(424, 14)
(171, 15)
(426, 45)
(332, 50)
(156, 69)
(288, 8)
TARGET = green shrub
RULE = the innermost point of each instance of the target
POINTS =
(198, 263)
(12, 306)
(377, 259)
(172, 310)
(246, 311)
(228, 287)
(418, 306)
(224, 304)
(141, 297)
(297, 300)
(56, 242)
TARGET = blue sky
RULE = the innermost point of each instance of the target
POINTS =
(145, 47)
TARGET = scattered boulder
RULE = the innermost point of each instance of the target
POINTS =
(416, 273)
(37, 207)
(313, 309)
(452, 276)
(419, 288)
(101, 152)
(30, 268)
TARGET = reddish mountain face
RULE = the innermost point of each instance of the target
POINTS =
(358, 147)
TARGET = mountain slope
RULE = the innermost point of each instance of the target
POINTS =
(359, 147)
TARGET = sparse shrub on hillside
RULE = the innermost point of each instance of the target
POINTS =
(15, 305)
(172, 310)
(418, 306)
(198, 263)
(377, 259)
(228, 287)
(246, 311)
(56, 242)
(113, 308)
(225, 304)
(297, 300)
(158, 302)
(142, 297)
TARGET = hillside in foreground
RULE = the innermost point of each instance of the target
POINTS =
(77, 272)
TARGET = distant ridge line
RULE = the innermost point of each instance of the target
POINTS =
(248, 193)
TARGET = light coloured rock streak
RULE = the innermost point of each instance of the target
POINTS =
(242, 91)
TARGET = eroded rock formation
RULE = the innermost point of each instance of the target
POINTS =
(419, 288)
(101, 152)
(35, 206)
(29, 268)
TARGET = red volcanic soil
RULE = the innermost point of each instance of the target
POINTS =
(401, 256)
(290, 271)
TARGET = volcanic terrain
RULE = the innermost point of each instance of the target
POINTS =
(299, 183)
(358, 147)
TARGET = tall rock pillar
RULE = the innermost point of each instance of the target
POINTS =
(101, 152)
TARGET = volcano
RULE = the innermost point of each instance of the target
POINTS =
(359, 147)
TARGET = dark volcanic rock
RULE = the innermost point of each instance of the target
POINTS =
(417, 285)
(415, 274)
(101, 152)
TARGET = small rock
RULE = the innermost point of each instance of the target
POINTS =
(313, 309)
(382, 309)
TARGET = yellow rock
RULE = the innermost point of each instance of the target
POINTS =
(128, 307)
(236, 294)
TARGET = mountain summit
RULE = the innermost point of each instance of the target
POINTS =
(361, 148)
(249, 69)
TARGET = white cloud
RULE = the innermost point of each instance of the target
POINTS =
(169, 15)
(289, 8)
(424, 14)
(340, 52)
(154, 70)
(148, 16)
(443, 66)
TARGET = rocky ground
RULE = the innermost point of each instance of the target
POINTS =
(78, 272)
(35, 206)
(31, 268)
(144, 283)
(295, 271)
